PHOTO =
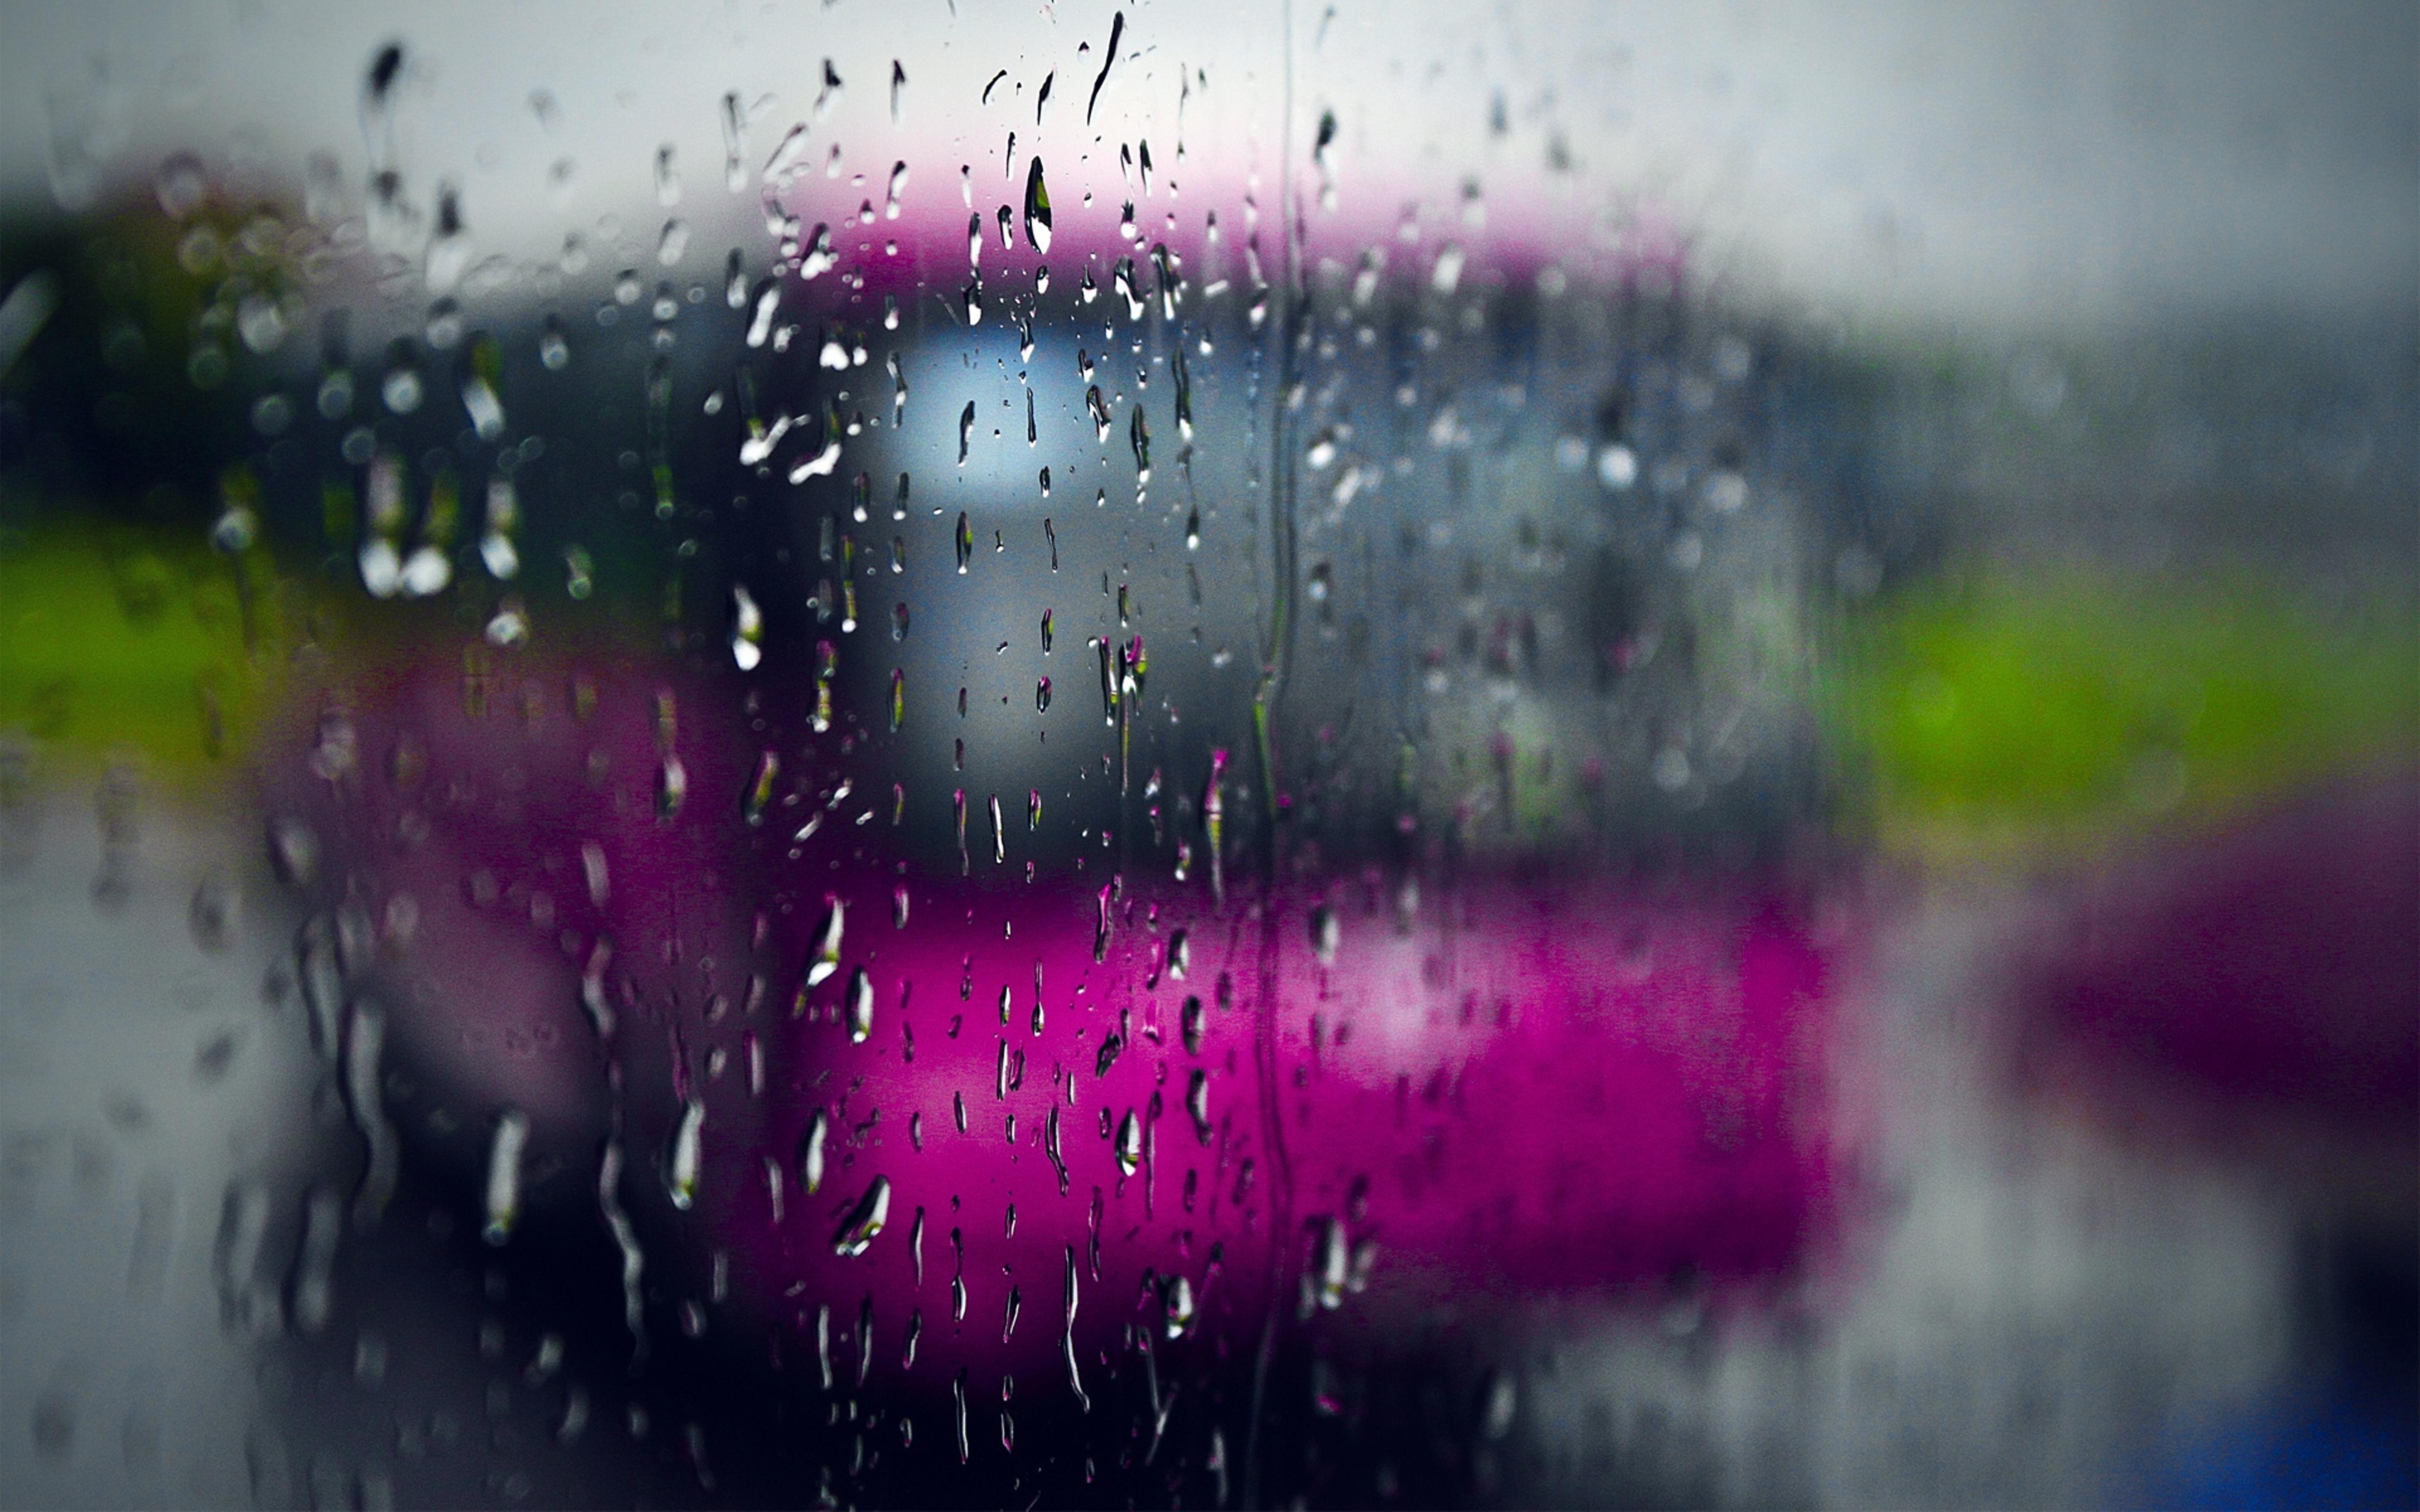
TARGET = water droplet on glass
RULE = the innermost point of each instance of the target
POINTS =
(1130, 1144)
(759, 793)
(401, 390)
(672, 787)
(860, 1006)
(746, 630)
(1176, 1306)
(505, 1175)
(812, 1152)
(1037, 208)
(827, 957)
(180, 185)
(858, 1230)
(687, 1156)
(667, 184)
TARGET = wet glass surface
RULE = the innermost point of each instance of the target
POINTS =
(1594, 755)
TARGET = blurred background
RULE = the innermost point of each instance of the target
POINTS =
(1618, 755)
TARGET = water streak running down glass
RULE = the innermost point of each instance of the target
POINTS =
(1099, 755)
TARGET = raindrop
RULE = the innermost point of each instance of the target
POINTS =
(672, 787)
(401, 388)
(827, 957)
(820, 258)
(314, 1295)
(180, 185)
(424, 572)
(958, 1402)
(760, 324)
(1503, 1401)
(1037, 208)
(1326, 932)
(508, 626)
(1176, 1305)
(860, 1006)
(735, 145)
(864, 1221)
(1323, 153)
(1130, 1144)
(1067, 1327)
(505, 1175)
(1448, 271)
(759, 795)
(1108, 57)
(786, 153)
(1329, 1267)
(365, 1097)
(811, 1152)
(687, 1156)
(667, 184)
(626, 1239)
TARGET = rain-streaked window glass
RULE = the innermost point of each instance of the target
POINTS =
(1063, 754)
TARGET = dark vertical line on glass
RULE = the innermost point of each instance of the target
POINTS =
(1277, 657)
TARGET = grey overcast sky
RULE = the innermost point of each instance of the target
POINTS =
(1985, 162)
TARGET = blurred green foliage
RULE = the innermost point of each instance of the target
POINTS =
(119, 639)
(2075, 703)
